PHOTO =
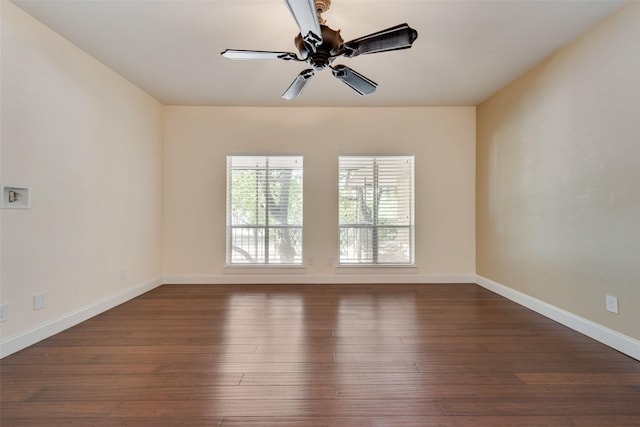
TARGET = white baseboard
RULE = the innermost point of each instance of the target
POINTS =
(25, 339)
(345, 278)
(623, 343)
(616, 340)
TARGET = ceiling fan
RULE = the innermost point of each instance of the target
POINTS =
(319, 45)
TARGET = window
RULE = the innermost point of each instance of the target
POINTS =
(264, 210)
(376, 210)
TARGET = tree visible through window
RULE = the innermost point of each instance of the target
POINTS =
(376, 208)
(264, 209)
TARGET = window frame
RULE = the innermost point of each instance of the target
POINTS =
(268, 226)
(376, 226)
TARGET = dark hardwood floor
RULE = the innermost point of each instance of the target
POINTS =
(318, 355)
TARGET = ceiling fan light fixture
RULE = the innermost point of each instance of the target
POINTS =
(321, 7)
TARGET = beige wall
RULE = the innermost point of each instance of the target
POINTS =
(89, 145)
(198, 139)
(558, 177)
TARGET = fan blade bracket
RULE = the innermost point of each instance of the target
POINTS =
(298, 84)
(355, 80)
(307, 74)
(312, 41)
(394, 38)
(289, 56)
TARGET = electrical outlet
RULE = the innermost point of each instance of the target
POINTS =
(40, 301)
(310, 260)
(612, 304)
(4, 312)
(329, 261)
(123, 274)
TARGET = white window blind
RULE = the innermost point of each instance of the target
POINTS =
(264, 209)
(376, 220)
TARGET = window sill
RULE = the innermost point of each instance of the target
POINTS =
(376, 269)
(264, 269)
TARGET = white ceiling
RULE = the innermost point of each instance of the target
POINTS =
(465, 52)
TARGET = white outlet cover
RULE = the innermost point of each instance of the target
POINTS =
(4, 312)
(39, 301)
(612, 304)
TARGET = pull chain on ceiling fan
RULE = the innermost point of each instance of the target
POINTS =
(319, 45)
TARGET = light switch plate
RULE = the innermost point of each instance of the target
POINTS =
(14, 197)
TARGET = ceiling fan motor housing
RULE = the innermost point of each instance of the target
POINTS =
(325, 52)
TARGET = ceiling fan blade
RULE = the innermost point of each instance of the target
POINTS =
(298, 85)
(306, 16)
(259, 54)
(355, 80)
(394, 38)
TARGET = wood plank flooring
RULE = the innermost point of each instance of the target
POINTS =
(319, 355)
